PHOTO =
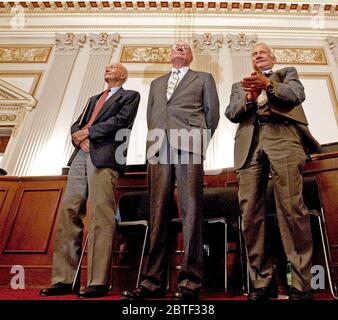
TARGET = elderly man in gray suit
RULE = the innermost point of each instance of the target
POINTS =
(94, 169)
(272, 138)
(182, 115)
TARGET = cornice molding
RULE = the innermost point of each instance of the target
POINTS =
(187, 7)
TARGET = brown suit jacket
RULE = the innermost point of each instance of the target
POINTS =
(285, 100)
(193, 106)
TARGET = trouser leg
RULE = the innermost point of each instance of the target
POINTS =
(252, 197)
(161, 188)
(69, 228)
(190, 191)
(253, 179)
(101, 225)
(293, 216)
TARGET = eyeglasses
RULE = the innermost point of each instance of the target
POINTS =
(180, 46)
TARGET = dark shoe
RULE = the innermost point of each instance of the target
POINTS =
(93, 292)
(58, 289)
(141, 293)
(183, 293)
(261, 294)
(295, 294)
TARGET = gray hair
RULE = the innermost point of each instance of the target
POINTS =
(272, 54)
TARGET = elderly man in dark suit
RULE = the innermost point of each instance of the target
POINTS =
(272, 138)
(94, 169)
(183, 109)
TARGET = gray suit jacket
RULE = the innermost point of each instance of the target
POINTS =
(288, 94)
(118, 112)
(193, 106)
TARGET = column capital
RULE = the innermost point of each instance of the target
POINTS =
(241, 43)
(103, 43)
(69, 43)
(207, 42)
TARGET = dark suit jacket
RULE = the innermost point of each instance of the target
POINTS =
(193, 105)
(118, 112)
(288, 94)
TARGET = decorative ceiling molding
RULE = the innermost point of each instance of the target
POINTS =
(222, 7)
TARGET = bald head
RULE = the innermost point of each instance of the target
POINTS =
(116, 74)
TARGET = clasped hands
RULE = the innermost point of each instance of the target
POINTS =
(254, 84)
(80, 139)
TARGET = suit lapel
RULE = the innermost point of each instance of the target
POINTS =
(109, 103)
(187, 79)
(162, 88)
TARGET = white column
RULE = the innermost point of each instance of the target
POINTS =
(206, 55)
(39, 126)
(101, 48)
(333, 44)
(241, 46)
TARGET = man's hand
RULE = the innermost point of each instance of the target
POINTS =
(79, 136)
(252, 96)
(84, 145)
(255, 82)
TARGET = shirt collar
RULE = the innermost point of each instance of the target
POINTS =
(268, 72)
(182, 70)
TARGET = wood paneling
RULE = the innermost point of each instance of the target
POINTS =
(33, 220)
(29, 206)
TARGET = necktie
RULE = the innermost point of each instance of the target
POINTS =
(262, 99)
(97, 108)
(173, 81)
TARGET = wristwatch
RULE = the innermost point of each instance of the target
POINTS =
(269, 88)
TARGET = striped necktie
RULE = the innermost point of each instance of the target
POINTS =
(172, 83)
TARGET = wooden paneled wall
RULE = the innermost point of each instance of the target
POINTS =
(29, 207)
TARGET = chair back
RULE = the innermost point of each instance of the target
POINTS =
(222, 202)
(134, 205)
(311, 196)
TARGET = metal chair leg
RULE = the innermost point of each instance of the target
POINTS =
(77, 273)
(226, 258)
(142, 255)
(327, 256)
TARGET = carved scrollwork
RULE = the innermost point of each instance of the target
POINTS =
(69, 43)
(207, 42)
(103, 42)
(241, 43)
